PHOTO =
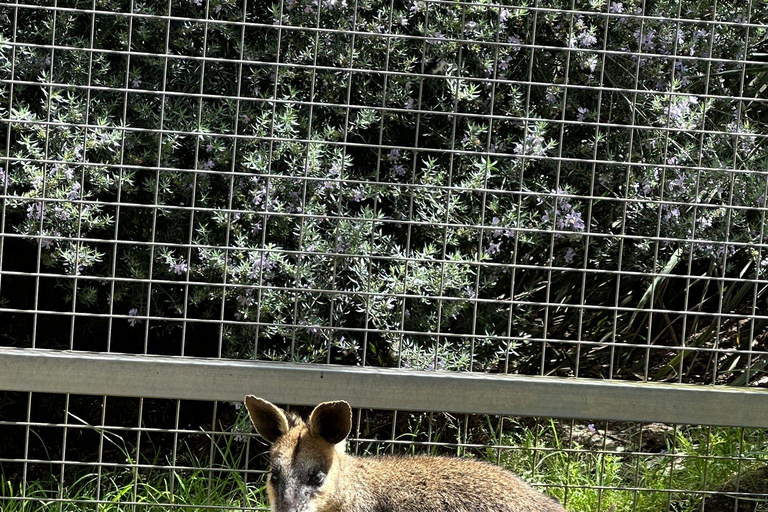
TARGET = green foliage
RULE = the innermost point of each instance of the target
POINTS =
(605, 470)
(151, 490)
(355, 196)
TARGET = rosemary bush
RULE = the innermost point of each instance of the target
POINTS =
(373, 189)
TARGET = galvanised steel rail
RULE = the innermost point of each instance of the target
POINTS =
(111, 374)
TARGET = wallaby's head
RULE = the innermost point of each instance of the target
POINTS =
(304, 455)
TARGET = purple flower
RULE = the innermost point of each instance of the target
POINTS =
(258, 196)
(399, 170)
(61, 213)
(552, 97)
(680, 112)
(515, 42)
(178, 268)
(582, 112)
(705, 221)
(264, 263)
(436, 38)
(586, 39)
(503, 16)
(569, 255)
(493, 248)
(591, 427)
(676, 183)
(440, 365)
(342, 245)
(46, 243)
(35, 210)
(647, 40)
(672, 213)
(394, 155)
(75, 192)
(616, 8)
(591, 63)
(567, 216)
(133, 312)
(2, 176)
(208, 165)
(573, 220)
(136, 82)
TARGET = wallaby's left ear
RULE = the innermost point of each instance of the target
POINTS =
(268, 419)
(331, 421)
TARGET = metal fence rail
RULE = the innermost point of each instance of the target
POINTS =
(547, 217)
(43, 371)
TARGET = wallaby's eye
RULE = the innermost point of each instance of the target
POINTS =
(274, 475)
(317, 478)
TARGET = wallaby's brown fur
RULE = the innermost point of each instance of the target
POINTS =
(312, 473)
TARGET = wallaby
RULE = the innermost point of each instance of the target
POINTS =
(310, 472)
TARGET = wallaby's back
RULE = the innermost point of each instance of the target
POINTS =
(435, 484)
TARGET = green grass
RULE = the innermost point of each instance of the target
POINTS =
(619, 478)
(144, 490)
(624, 479)
(152, 493)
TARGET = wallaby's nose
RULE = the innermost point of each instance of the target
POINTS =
(290, 506)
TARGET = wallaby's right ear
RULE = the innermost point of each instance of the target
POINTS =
(331, 421)
(269, 420)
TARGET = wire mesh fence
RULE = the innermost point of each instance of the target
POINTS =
(216, 465)
(556, 188)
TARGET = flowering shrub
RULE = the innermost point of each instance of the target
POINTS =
(419, 186)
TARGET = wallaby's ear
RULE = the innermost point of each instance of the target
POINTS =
(331, 421)
(268, 419)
